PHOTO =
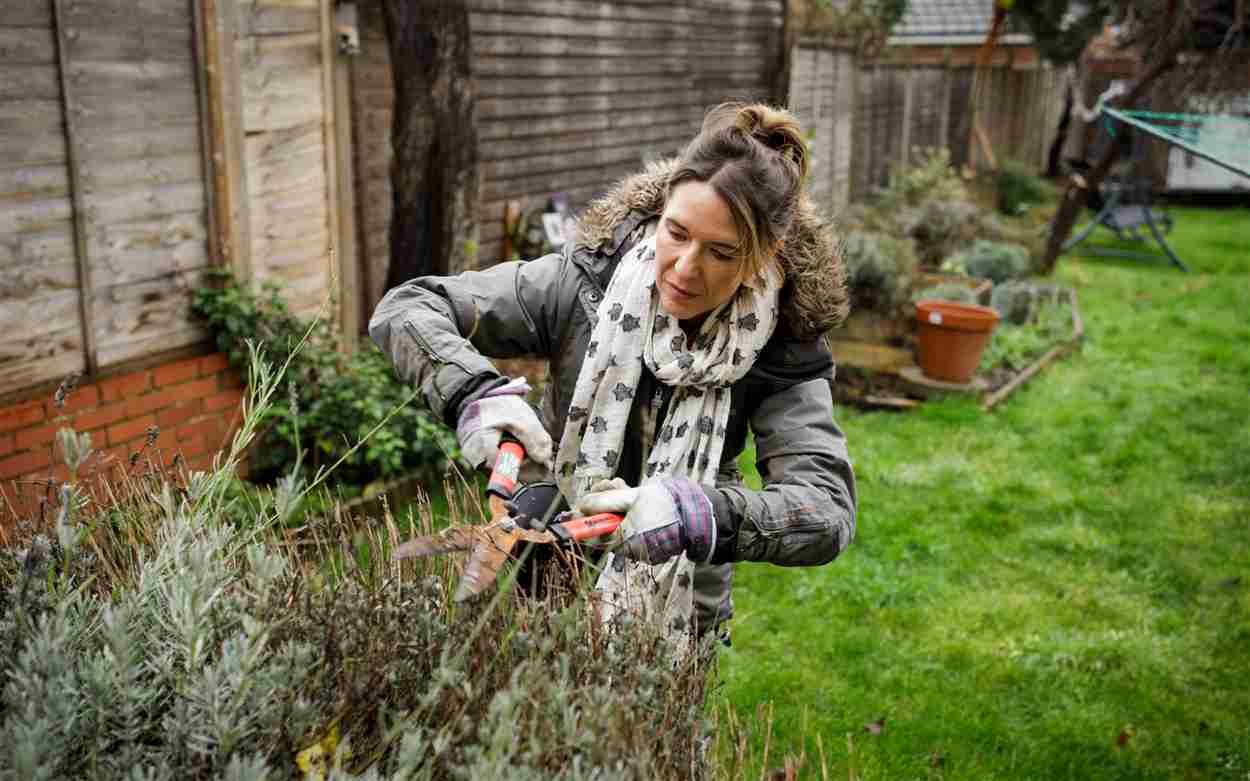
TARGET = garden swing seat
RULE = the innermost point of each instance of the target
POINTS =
(1125, 207)
(1123, 204)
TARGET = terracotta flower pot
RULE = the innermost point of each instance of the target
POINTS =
(950, 338)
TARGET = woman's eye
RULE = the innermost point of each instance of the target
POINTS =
(722, 255)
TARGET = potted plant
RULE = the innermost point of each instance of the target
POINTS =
(950, 337)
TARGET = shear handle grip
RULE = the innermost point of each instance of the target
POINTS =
(507, 469)
(588, 527)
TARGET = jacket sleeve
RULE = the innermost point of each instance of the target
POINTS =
(805, 513)
(440, 332)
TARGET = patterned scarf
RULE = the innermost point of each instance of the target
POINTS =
(632, 328)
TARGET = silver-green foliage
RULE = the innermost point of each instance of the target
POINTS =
(880, 270)
(997, 261)
(219, 655)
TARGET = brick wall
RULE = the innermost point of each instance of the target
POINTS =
(186, 407)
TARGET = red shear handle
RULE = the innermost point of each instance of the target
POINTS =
(590, 526)
(503, 478)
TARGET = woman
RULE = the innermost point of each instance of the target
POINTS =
(690, 307)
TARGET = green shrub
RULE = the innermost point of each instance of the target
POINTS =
(1014, 346)
(940, 227)
(158, 640)
(1018, 189)
(880, 270)
(1014, 300)
(947, 291)
(931, 178)
(333, 399)
(990, 260)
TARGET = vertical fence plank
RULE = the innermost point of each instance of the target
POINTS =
(224, 87)
(74, 157)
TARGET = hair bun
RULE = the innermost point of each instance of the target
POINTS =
(777, 130)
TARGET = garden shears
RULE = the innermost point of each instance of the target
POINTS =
(491, 544)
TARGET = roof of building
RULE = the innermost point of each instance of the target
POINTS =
(950, 21)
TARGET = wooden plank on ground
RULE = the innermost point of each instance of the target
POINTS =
(868, 355)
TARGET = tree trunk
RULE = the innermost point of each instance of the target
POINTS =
(434, 173)
(1079, 187)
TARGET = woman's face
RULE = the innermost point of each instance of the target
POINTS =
(698, 267)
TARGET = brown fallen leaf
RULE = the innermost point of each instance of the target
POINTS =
(1125, 735)
(875, 727)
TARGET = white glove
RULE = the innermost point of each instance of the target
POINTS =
(483, 421)
(663, 518)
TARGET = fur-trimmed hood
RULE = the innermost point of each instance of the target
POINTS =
(814, 297)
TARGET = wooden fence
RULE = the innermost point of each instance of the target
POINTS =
(864, 118)
(572, 95)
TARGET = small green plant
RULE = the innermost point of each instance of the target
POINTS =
(880, 270)
(947, 291)
(1014, 347)
(1018, 189)
(992, 260)
(331, 399)
(940, 227)
(931, 178)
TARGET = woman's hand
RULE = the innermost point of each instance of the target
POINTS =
(483, 421)
(663, 518)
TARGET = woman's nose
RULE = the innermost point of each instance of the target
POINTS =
(687, 264)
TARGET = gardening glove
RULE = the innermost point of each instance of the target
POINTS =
(663, 518)
(483, 421)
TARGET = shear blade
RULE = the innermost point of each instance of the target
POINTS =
(487, 559)
(459, 538)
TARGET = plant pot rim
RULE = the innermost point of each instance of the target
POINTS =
(957, 316)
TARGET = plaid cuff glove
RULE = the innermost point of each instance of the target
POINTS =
(663, 519)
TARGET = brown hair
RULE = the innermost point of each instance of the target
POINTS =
(755, 157)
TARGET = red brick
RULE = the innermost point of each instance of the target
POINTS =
(233, 380)
(6, 444)
(22, 415)
(101, 416)
(130, 429)
(213, 364)
(85, 397)
(230, 399)
(189, 391)
(148, 402)
(30, 438)
(178, 371)
(25, 463)
(209, 428)
(172, 416)
(125, 386)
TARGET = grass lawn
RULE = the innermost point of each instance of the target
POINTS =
(1057, 589)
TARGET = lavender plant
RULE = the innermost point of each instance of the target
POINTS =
(162, 640)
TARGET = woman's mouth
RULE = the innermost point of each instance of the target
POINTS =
(680, 292)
